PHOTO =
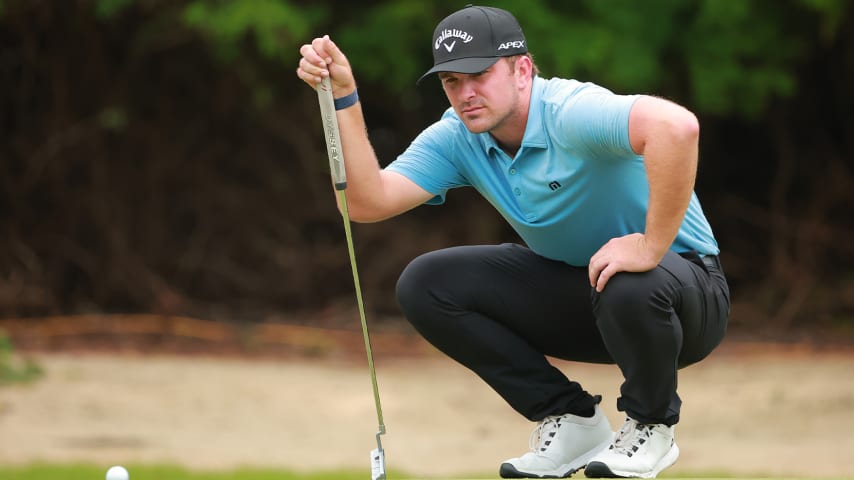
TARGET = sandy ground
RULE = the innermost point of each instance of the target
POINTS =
(747, 410)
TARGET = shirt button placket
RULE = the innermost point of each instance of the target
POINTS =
(516, 190)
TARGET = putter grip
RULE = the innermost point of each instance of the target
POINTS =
(331, 134)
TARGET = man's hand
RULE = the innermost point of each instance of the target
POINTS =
(322, 58)
(629, 253)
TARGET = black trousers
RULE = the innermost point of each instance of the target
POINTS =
(501, 310)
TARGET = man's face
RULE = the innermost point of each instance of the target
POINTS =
(483, 100)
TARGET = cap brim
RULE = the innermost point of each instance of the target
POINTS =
(461, 65)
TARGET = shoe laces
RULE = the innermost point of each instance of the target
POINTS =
(631, 437)
(544, 433)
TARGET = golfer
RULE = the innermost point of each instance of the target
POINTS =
(619, 264)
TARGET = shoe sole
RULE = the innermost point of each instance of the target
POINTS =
(507, 470)
(601, 470)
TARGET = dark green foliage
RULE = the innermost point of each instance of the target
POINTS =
(161, 155)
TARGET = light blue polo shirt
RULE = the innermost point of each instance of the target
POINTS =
(574, 184)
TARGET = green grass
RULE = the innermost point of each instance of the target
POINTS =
(149, 472)
(14, 369)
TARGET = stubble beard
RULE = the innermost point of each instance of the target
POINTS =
(491, 125)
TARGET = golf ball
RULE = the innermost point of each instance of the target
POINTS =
(117, 473)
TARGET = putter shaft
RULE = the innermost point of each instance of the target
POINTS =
(339, 179)
(342, 200)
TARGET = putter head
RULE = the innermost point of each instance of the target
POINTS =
(377, 464)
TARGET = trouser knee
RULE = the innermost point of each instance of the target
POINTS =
(415, 286)
(628, 301)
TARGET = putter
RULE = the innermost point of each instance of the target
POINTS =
(339, 178)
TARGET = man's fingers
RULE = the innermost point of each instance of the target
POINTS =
(321, 59)
(311, 80)
(600, 274)
(314, 64)
(593, 271)
(312, 55)
(321, 48)
(601, 269)
(604, 276)
(592, 275)
(310, 68)
(335, 54)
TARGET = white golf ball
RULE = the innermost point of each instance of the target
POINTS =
(117, 473)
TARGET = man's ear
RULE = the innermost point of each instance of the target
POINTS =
(525, 67)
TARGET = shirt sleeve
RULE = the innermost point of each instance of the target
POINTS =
(596, 120)
(429, 161)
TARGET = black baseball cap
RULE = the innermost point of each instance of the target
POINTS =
(473, 39)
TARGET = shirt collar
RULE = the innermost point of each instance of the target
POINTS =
(535, 135)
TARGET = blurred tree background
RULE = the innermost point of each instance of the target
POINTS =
(160, 156)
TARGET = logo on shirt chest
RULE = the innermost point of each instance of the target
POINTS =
(554, 185)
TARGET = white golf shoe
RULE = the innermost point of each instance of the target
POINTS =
(638, 451)
(560, 446)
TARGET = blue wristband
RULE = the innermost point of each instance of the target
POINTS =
(347, 101)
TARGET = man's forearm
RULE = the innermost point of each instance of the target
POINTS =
(363, 171)
(671, 165)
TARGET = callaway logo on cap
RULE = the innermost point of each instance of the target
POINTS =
(473, 39)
